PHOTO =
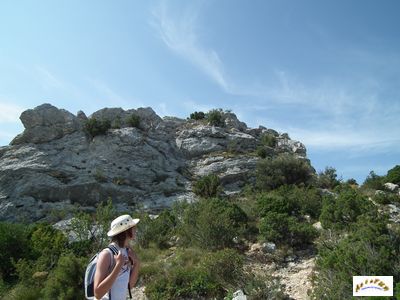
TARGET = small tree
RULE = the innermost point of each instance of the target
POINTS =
(328, 178)
(283, 169)
(215, 117)
(268, 139)
(133, 121)
(393, 175)
(373, 181)
(97, 127)
(207, 186)
(197, 115)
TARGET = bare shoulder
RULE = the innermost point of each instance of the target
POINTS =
(104, 258)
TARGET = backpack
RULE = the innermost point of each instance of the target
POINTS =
(91, 269)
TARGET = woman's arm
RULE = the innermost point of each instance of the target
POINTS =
(102, 280)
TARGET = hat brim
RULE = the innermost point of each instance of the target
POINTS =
(120, 229)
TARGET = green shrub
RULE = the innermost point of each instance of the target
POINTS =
(373, 181)
(24, 292)
(48, 244)
(283, 169)
(393, 175)
(341, 211)
(386, 198)
(207, 186)
(133, 121)
(66, 280)
(225, 266)
(281, 228)
(260, 287)
(196, 274)
(215, 118)
(368, 249)
(14, 244)
(91, 230)
(184, 283)
(97, 127)
(116, 124)
(328, 178)
(276, 202)
(211, 224)
(197, 115)
(157, 231)
(268, 139)
(261, 152)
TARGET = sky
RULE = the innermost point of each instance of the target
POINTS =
(325, 72)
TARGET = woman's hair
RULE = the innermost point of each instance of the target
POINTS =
(120, 238)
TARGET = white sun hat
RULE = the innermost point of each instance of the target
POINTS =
(121, 224)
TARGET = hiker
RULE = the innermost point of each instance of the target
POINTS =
(117, 273)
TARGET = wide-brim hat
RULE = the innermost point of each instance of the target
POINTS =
(121, 224)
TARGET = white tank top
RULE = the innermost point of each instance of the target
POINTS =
(119, 289)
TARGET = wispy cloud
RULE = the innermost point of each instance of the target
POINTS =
(47, 79)
(179, 35)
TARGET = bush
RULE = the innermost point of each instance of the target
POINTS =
(328, 178)
(367, 250)
(197, 274)
(197, 115)
(133, 121)
(207, 186)
(14, 244)
(183, 283)
(283, 169)
(97, 127)
(340, 212)
(66, 280)
(386, 198)
(393, 175)
(215, 118)
(281, 228)
(261, 152)
(225, 266)
(268, 139)
(373, 181)
(292, 200)
(157, 231)
(211, 224)
(47, 244)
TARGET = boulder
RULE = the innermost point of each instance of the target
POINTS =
(45, 123)
(391, 186)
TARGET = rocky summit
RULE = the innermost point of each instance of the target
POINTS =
(55, 164)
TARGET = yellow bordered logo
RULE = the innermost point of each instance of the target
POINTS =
(372, 285)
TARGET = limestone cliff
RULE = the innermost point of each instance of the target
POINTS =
(55, 164)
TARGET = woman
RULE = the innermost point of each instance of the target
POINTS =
(115, 272)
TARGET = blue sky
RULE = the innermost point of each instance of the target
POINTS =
(326, 72)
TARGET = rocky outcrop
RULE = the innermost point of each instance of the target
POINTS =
(54, 164)
(46, 123)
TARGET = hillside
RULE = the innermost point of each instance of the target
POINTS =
(56, 163)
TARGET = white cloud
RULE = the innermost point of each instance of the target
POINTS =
(47, 79)
(180, 37)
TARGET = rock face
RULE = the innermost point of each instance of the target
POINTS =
(54, 164)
